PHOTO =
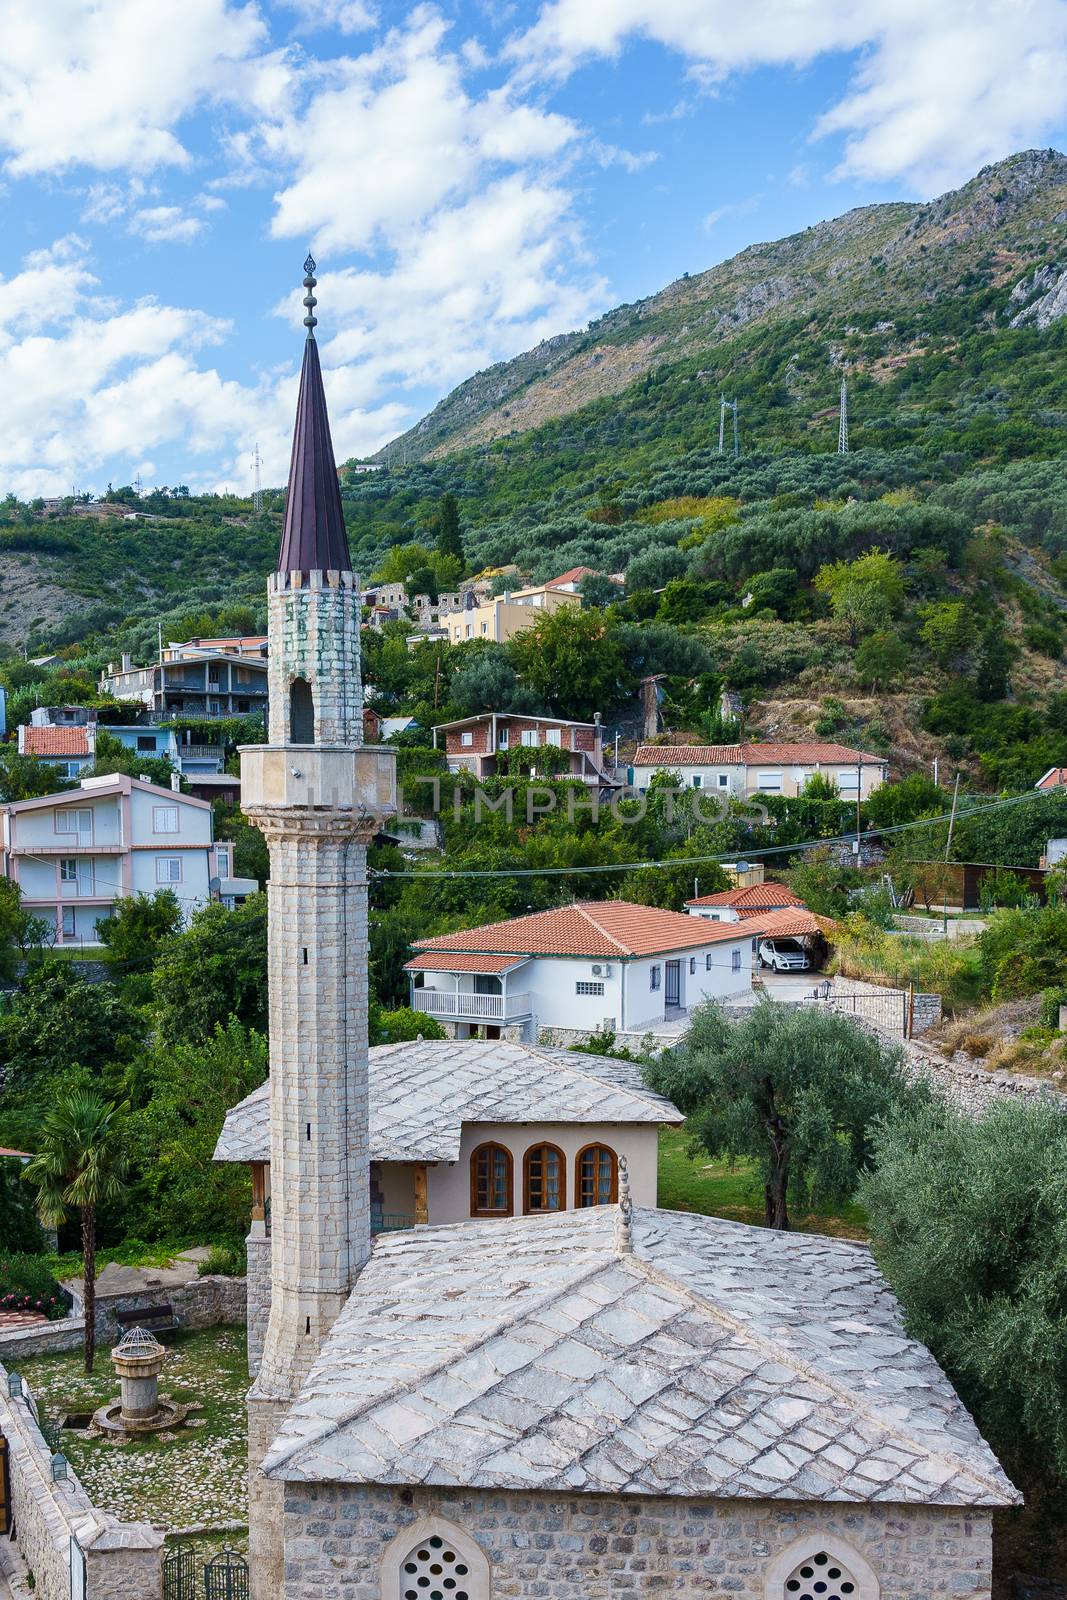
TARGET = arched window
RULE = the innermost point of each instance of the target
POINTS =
(301, 712)
(544, 1179)
(434, 1560)
(821, 1567)
(597, 1176)
(491, 1181)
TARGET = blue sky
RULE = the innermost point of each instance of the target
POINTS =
(471, 176)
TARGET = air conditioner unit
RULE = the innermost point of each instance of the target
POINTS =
(601, 970)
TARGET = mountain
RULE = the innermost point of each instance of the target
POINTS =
(865, 293)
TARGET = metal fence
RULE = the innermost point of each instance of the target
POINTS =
(889, 1011)
(187, 1576)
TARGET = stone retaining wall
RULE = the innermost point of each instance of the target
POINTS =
(972, 1089)
(123, 1560)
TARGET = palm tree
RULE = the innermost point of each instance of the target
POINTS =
(81, 1161)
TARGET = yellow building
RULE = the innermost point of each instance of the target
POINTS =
(505, 615)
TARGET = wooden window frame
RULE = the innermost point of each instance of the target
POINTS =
(543, 1211)
(492, 1144)
(597, 1144)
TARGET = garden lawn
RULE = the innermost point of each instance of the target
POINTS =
(198, 1474)
(695, 1183)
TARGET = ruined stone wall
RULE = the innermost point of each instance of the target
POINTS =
(549, 1547)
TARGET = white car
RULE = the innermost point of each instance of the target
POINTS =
(784, 955)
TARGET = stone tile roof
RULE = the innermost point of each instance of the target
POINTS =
(806, 755)
(422, 1092)
(464, 963)
(756, 897)
(593, 928)
(55, 741)
(683, 1355)
(687, 755)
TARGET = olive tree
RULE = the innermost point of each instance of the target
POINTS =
(798, 1092)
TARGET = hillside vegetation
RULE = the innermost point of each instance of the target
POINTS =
(908, 595)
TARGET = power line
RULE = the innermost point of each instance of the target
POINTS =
(693, 861)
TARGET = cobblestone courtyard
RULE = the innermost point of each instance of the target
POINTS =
(195, 1475)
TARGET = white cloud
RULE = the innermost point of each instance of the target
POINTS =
(348, 16)
(106, 84)
(733, 208)
(91, 389)
(939, 91)
(165, 225)
(471, 248)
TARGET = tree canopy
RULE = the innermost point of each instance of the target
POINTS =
(799, 1092)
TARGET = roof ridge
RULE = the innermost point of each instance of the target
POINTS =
(581, 908)
(274, 1459)
(781, 1353)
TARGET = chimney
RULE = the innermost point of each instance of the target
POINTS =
(127, 661)
(176, 782)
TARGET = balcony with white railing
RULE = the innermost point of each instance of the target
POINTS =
(470, 1007)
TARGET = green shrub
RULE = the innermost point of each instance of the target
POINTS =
(27, 1284)
(224, 1261)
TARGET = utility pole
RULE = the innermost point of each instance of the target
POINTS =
(948, 849)
(737, 447)
(859, 799)
(257, 482)
(722, 421)
(842, 426)
(138, 487)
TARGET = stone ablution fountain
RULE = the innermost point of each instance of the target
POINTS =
(138, 1360)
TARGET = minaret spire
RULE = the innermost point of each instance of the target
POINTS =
(309, 299)
(314, 538)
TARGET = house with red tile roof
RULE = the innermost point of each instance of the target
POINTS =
(748, 770)
(595, 965)
(1054, 778)
(71, 751)
(741, 905)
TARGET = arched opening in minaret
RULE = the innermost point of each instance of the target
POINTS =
(301, 712)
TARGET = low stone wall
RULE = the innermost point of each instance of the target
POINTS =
(41, 1339)
(972, 1089)
(123, 1560)
(200, 1303)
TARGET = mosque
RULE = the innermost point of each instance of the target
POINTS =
(574, 1404)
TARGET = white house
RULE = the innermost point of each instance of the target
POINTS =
(740, 905)
(744, 770)
(598, 965)
(74, 854)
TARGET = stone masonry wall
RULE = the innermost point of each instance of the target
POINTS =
(123, 1559)
(314, 634)
(548, 1547)
(258, 1248)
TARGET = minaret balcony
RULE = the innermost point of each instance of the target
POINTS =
(359, 778)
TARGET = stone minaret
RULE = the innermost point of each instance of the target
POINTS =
(318, 794)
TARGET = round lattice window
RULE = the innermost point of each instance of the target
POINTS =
(434, 1571)
(820, 1577)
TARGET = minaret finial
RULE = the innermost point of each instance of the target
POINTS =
(624, 1243)
(309, 299)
